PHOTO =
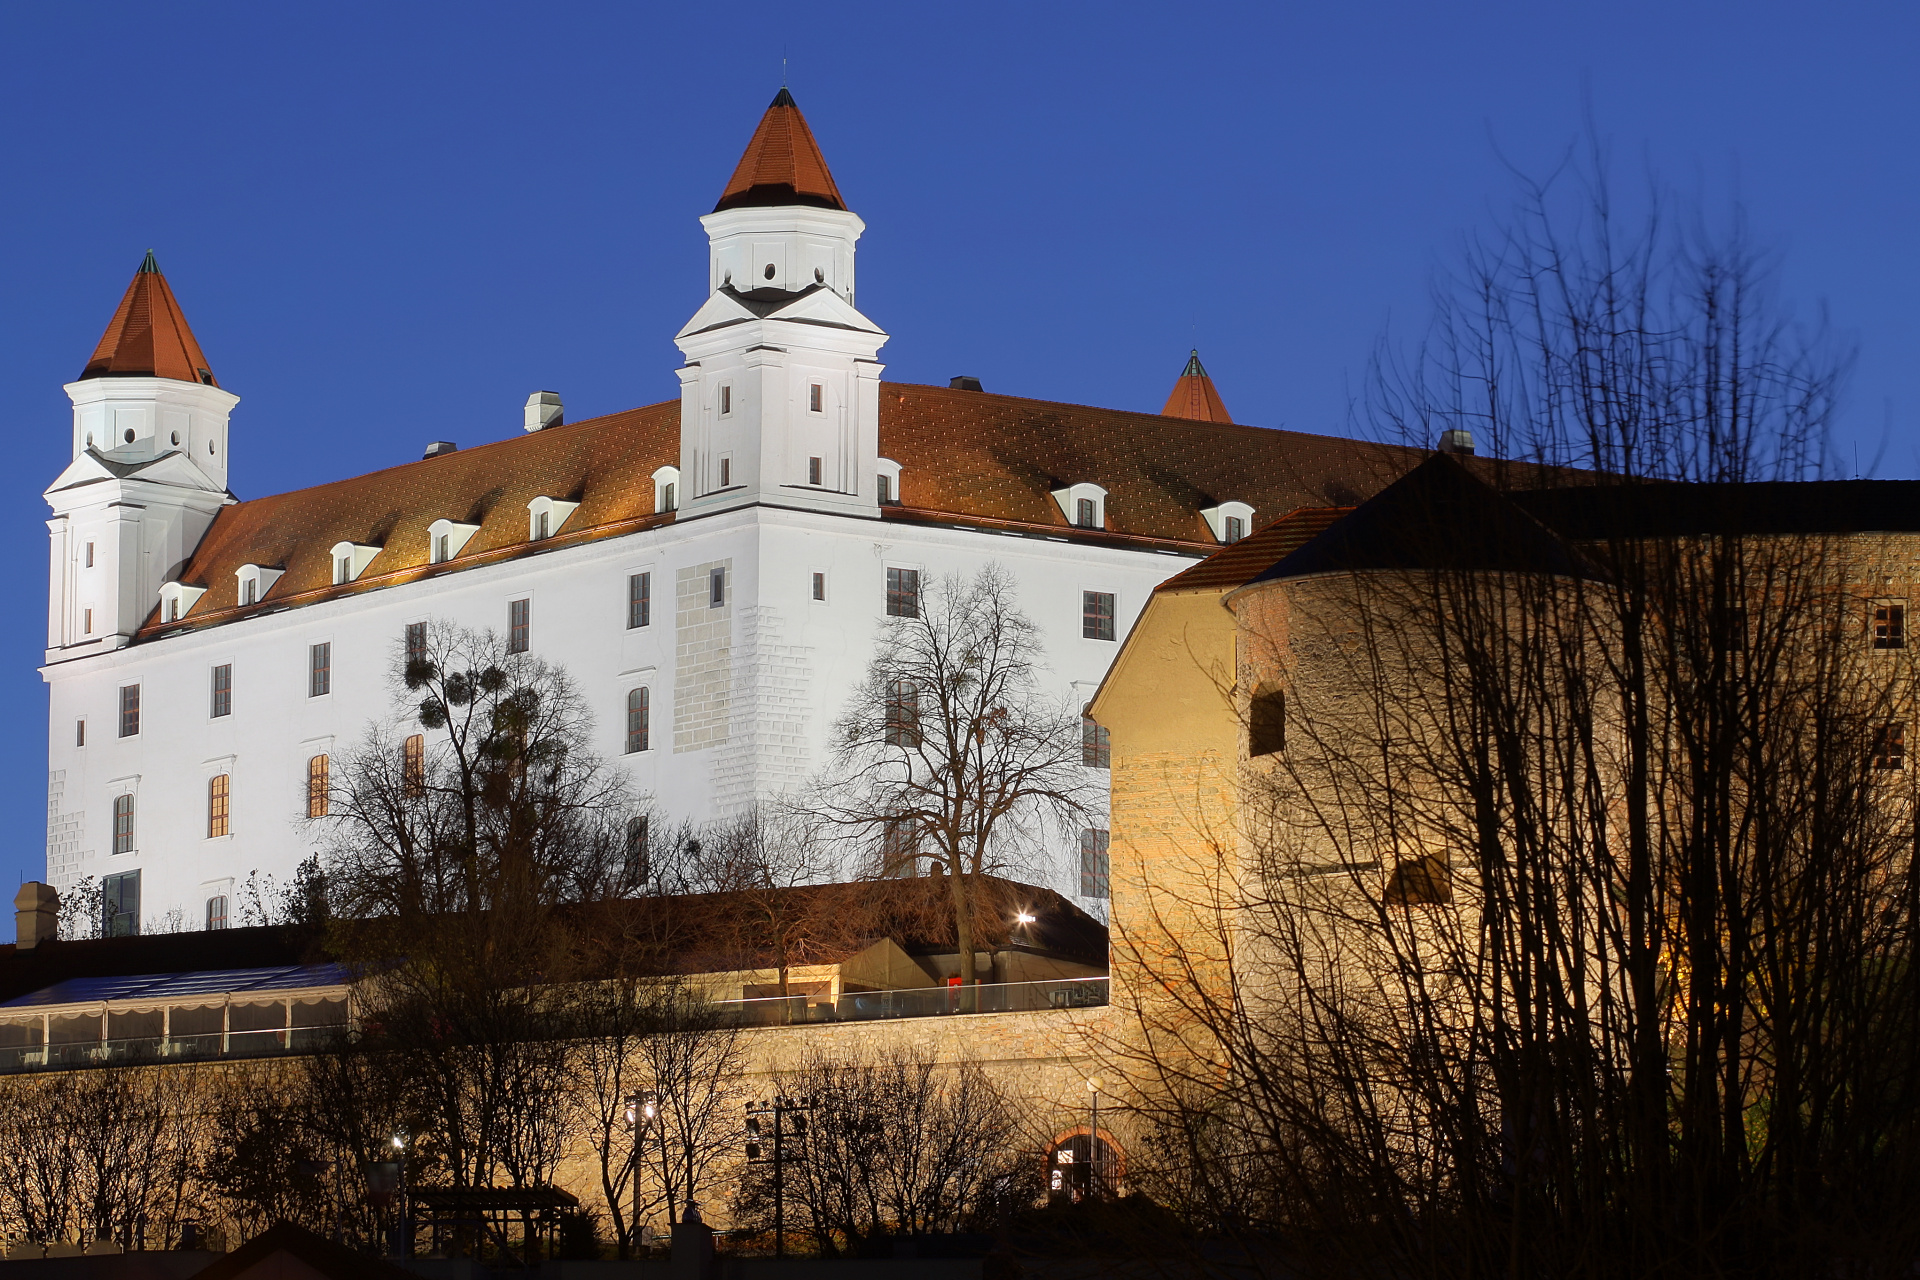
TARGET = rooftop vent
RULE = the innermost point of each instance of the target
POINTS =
(543, 410)
(1457, 440)
(964, 383)
(439, 448)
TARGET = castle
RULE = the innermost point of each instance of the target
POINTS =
(709, 570)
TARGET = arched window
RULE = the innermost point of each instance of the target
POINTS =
(217, 805)
(639, 717)
(1267, 723)
(318, 790)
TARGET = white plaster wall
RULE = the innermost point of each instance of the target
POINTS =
(793, 660)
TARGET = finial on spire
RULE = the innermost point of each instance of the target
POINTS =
(149, 267)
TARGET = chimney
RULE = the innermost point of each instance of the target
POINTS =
(964, 383)
(439, 449)
(1457, 440)
(36, 915)
(543, 410)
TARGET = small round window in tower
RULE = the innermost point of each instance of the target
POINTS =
(768, 273)
(819, 276)
(129, 435)
(176, 439)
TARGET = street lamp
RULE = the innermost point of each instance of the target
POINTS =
(641, 1111)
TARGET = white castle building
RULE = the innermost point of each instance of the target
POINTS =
(712, 571)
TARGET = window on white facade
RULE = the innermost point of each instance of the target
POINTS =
(639, 719)
(639, 600)
(319, 669)
(129, 710)
(717, 588)
(222, 690)
(217, 911)
(519, 626)
(123, 823)
(903, 593)
(813, 471)
(1096, 615)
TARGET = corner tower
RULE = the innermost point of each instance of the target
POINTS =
(780, 395)
(148, 471)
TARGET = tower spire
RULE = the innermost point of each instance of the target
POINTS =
(1194, 395)
(782, 165)
(148, 336)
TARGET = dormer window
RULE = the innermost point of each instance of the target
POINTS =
(350, 559)
(177, 600)
(254, 581)
(445, 538)
(1229, 521)
(886, 484)
(666, 489)
(546, 517)
(1085, 505)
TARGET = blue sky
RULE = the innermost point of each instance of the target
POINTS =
(389, 222)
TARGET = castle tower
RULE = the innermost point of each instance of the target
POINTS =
(1194, 395)
(780, 395)
(149, 471)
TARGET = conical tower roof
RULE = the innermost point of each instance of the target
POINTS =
(148, 336)
(1194, 396)
(782, 164)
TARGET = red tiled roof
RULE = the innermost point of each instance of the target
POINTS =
(965, 456)
(782, 164)
(1236, 565)
(148, 336)
(1194, 395)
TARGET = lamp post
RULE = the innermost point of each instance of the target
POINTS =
(781, 1109)
(405, 1243)
(1093, 1141)
(641, 1111)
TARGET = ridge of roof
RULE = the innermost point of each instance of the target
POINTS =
(782, 164)
(1438, 516)
(965, 456)
(148, 336)
(1194, 395)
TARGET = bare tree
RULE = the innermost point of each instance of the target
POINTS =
(895, 1144)
(1571, 928)
(950, 750)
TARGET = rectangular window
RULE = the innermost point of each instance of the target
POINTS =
(1236, 529)
(129, 710)
(903, 714)
(1086, 514)
(223, 690)
(123, 824)
(519, 625)
(726, 472)
(670, 500)
(173, 609)
(1267, 723)
(413, 766)
(1093, 863)
(79, 733)
(319, 786)
(440, 547)
(726, 401)
(120, 904)
(416, 642)
(813, 398)
(639, 600)
(813, 471)
(1890, 626)
(1096, 615)
(217, 805)
(250, 591)
(1096, 749)
(89, 555)
(1890, 746)
(319, 669)
(87, 622)
(716, 588)
(639, 715)
(903, 593)
(883, 487)
(343, 570)
(217, 911)
(819, 586)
